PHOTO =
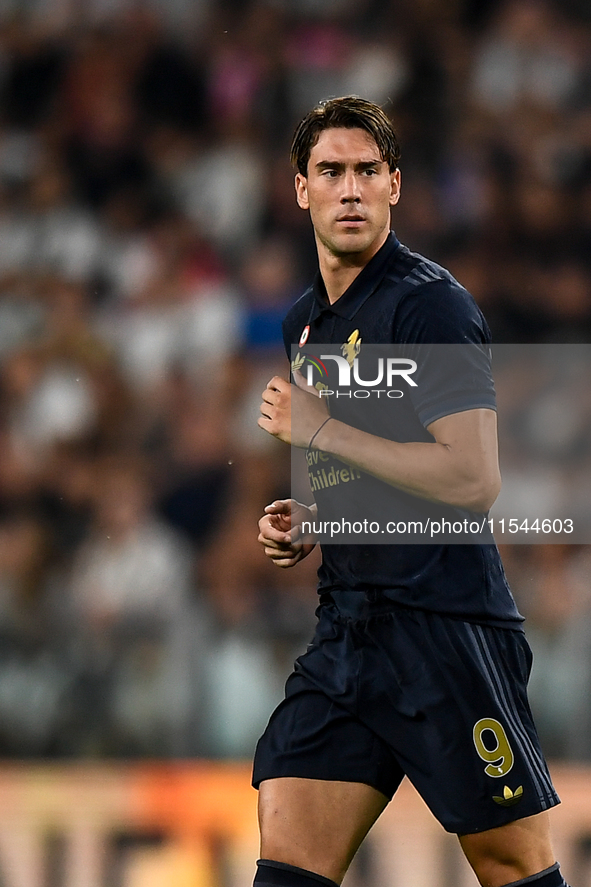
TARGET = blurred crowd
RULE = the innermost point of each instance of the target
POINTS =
(149, 246)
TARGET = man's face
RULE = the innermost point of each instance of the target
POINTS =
(349, 191)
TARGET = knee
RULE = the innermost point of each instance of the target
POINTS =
(498, 867)
(494, 872)
(312, 856)
(509, 853)
(304, 849)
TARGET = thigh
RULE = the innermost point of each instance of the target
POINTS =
(512, 852)
(312, 737)
(316, 824)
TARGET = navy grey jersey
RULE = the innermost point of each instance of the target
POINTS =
(403, 298)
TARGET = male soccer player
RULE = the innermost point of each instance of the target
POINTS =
(419, 664)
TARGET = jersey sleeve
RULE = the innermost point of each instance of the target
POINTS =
(447, 335)
(441, 312)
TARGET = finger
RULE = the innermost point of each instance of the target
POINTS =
(279, 506)
(269, 395)
(275, 550)
(285, 560)
(288, 562)
(275, 523)
(275, 538)
(281, 551)
(278, 384)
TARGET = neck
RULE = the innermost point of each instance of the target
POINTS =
(339, 271)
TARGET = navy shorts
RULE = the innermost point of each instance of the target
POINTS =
(383, 692)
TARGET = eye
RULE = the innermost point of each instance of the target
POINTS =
(370, 172)
(331, 173)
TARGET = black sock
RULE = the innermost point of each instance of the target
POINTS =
(548, 878)
(280, 874)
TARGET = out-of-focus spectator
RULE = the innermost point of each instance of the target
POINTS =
(552, 585)
(221, 188)
(130, 590)
(55, 235)
(271, 283)
(35, 681)
(131, 568)
(191, 441)
(33, 69)
(180, 308)
(527, 57)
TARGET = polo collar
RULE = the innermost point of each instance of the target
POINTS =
(362, 287)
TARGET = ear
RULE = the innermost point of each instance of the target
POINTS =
(301, 187)
(394, 187)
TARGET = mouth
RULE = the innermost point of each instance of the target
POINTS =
(351, 219)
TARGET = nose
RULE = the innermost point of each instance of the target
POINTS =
(351, 193)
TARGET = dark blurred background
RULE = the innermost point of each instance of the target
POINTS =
(149, 246)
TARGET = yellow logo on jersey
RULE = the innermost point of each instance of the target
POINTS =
(352, 347)
(298, 362)
(509, 797)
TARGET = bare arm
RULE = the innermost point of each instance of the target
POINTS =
(459, 468)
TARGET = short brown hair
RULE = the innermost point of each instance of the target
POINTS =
(347, 112)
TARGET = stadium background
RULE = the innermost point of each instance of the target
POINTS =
(149, 246)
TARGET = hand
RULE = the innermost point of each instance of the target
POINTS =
(292, 413)
(281, 532)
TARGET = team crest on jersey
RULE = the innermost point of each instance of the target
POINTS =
(304, 336)
(509, 797)
(352, 347)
